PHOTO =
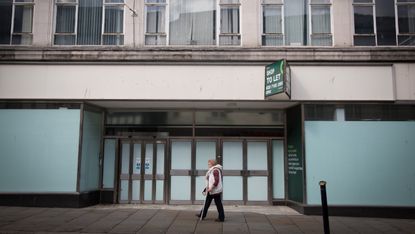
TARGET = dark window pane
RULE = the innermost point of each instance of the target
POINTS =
(114, 19)
(23, 19)
(406, 40)
(319, 112)
(362, 1)
(64, 40)
(25, 39)
(385, 22)
(89, 22)
(5, 19)
(113, 40)
(363, 19)
(380, 112)
(406, 19)
(364, 40)
(65, 19)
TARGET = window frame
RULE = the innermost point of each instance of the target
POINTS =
(373, 5)
(166, 22)
(167, 4)
(282, 34)
(219, 32)
(75, 33)
(12, 33)
(310, 23)
(397, 22)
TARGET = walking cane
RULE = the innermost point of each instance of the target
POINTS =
(203, 207)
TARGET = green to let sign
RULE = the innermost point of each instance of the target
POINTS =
(274, 78)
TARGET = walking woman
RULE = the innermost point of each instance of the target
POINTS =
(213, 190)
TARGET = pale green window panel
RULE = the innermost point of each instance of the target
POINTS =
(257, 156)
(204, 151)
(109, 164)
(232, 155)
(160, 159)
(148, 189)
(137, 159)
(148, 166)
(257, 188)
(200, 185)
(180, 188)
(124, 190)
(181, 154)
(365, 162)
(136, 190)
(278, 169)
(125, 158)
(48, 161)
(159, 190)
(232, 188)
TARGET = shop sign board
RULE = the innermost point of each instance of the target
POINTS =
(277, 81)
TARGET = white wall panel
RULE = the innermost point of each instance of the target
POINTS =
(342, 83)
(405, 81)
(131, 82)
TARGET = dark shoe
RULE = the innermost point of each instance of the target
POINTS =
(219, 220)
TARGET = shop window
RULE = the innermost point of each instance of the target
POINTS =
(319, 112)
(192, 22)
(89, 22)
(373, 112)
(296, 23)
(16, 17)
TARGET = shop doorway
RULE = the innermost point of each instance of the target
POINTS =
(142, 171)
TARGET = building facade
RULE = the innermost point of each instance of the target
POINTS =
(124, 101)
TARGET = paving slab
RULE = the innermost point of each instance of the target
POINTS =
(134, 222)
(181, 219)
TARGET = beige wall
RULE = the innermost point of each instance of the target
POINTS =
(250, 23)
(332, 83)
(198, 82)
(405, 81)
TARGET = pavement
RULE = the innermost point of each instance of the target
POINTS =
(181, 219)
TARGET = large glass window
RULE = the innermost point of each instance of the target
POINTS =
(364, 23)
(192, 22)
(229, 22)
(16, 18)
(296, 22)
(406, 22)
(80, 22)
(384, 22)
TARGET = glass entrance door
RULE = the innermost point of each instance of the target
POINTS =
(246, 171)
(142, 171)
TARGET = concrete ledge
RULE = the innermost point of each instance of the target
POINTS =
(206, 55)
(51, 200)
(357, 211)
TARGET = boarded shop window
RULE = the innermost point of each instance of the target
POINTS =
(373, 112)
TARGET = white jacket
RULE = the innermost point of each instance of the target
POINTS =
(210, 179)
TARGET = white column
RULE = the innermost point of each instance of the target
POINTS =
(43, 23)
(342, 16)
(250, 21)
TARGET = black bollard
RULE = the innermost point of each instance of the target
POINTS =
(324, 207)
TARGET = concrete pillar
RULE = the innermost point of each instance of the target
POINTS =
(250, 23)
(343, 27)
(43, 23)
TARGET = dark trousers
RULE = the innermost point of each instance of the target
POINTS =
(219, 206)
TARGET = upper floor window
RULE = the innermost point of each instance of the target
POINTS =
(375, 22)
(89, 22)
(192, 22)
(16, 17)
(296, 22)
(406, 22)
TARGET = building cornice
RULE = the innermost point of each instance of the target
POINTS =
(209, 55)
